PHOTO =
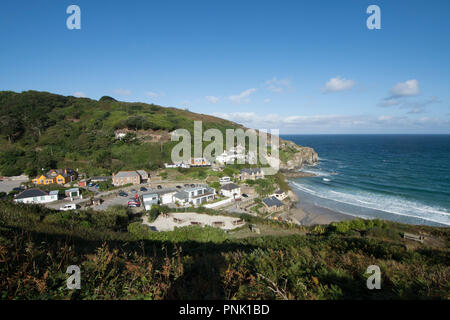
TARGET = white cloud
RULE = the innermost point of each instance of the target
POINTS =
(336, 123)
(243, 96)
(413, 106)
(79, 94)
(405, 89)
(277, 85)
(267, 100)
(389, 102)
(212, 99)
(338, 84)
(123, 92)
(152, 94)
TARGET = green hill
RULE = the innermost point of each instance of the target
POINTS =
(44, 130)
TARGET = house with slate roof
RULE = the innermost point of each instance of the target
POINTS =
(35, 196)
(272, 204)
(231, 190)
(126, 177)
(195, 196)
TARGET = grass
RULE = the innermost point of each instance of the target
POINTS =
(122, 259)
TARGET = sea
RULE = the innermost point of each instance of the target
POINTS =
(402, 178)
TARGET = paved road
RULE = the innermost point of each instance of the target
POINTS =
(8, 185)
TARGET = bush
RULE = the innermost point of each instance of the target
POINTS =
(156, 210)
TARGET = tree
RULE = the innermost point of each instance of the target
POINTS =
(11, 127)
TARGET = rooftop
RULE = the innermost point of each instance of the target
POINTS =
(125, 174)
(30, 193)
(229, 186)
(272, 201)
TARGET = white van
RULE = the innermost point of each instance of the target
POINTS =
(67, 207)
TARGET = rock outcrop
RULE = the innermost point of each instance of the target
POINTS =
(297, 156)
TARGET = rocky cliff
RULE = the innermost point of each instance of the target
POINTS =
(293, 157)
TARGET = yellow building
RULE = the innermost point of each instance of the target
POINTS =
(43, 180)
(59, 176)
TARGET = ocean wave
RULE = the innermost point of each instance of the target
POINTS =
(319, 172)
(388, 204)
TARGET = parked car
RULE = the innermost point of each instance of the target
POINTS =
(67, 207)
(245, 195)
(134, 203)
(90, 185)
(123, 194)
(178, 187)
(192, 185)
(186, 185)
(133, 190)
(159, 186)
(143, 189)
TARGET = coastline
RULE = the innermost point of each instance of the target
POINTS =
(309, 214)
(312, 215)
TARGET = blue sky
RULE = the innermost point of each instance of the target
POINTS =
(300, 66)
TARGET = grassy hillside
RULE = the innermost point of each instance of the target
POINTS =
(121, 259)
(44, 130)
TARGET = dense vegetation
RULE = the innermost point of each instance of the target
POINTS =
(121, 259)
(43, 130)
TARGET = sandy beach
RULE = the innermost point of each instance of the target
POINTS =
(308, 213)
(317, 215)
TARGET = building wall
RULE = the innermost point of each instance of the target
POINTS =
(167, 198)
(228, 193)
(120, 181)
(40, 199)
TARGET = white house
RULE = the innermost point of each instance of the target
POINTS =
(195, 196)
(166, 197)
(231, 190)
(232, 154)
(149, 200)
(36, 196)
